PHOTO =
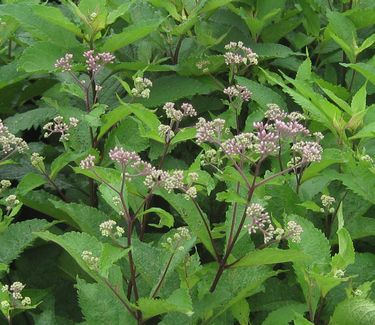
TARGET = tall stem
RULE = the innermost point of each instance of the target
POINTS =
(160, 283)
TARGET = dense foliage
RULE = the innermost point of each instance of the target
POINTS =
(187, 162)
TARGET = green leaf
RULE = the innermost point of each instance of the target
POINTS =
(359, 100)
(166, 219)
(87, 218)
(241, 311)
(178, 87)
(214, 4)
(284, 315)
(54, 16)
(121, 10)
(262, 95)
(189, 213)
(184, 135)
(40, 57)
(367, 70)
(368, 131)
(354, 311)
(18, 236)
(64, 159)
(361, 227)
(29, 182)
(271, 256)
(346, 254)
(178, 301)
(100, 306)
(130, 34)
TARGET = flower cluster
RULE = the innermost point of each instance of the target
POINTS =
(259, 220)
(166, 132)
(310, 151)
(141, 87)
(237, 53)
(177, 115)
(37, 160)
(209, 131)
(109, 228)
(327, 203)
(11, 202)
(60, 127)
(4, 184)
(177, 240)
(15, 293)
(95, 62)
(65, 63)
(124, 158)
(238, 91)
(167, 180)
(238, 144)
(294, 231)
(211, 157)
(9, 142)
(91, 260)
(266, 139)
(88, 162)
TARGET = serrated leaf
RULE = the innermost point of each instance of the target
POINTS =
(284, 315)
(108, 311)
(354, 311)
(166, 219)
(184, 135)
(17, 237)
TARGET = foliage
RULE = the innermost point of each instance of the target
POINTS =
(187, 162)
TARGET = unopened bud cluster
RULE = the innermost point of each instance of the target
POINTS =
(237, 54)
(177, 115)
(176, 242)
(58, 126)
(11, 202)
(294, 231)
(327, 203)
(9, 142)
(110, 228)
(141, 87)
(4, 184)
(16, 298)
(37, 160)
(209, 131)
(259, 221)
(91, 260)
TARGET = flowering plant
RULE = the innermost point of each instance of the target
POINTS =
(157, 167)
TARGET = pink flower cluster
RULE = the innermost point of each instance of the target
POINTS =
(177, 115)
(94, 62)
(259, 220)
(65, 63)
(209, 131)
(9, 142)
(238, 91)
(237, 53)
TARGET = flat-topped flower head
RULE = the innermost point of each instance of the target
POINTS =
(238, 91)
(259, 221)
(65, 63)
(176, 115)
(9, 142)
(88, 162)
(141, 87)
(124, 157)
(294, 231)
(91, 260)
(95, 62)
(209, 131)
(238, 144)
(237, 54)
(266, 139)
(309, 151)
(110, 228)
(275, 113)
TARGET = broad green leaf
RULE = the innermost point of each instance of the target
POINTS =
(130, 35)
(100, 306)
(359, 100)
(304, 70)
(178, 301)
(54, 16)
(285, 314)
(241, 311)
(30, 182)
(356, 311)
(18, 236)
(178, 88)
(121, 10)
(87, 218)
(361, 227)
(214, 4)
(366, 69)
(184, 135)
(40, 57)
(64, 159)
(169, 6)
(262, 95)
(189, 213)
(368, 131)
(271, 256)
